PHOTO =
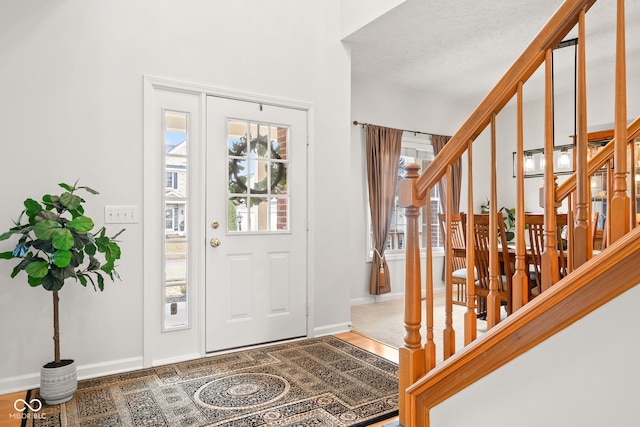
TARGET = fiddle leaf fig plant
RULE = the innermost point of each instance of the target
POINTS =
(56, 243)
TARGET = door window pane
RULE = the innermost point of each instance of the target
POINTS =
(258, 163)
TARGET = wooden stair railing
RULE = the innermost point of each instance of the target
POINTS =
(601, 159)
(422, 384)
(616, 270)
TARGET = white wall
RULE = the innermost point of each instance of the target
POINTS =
(354, 14)
(386, 105)
(586, 375)
(71, 107)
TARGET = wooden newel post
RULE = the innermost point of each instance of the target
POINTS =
(412, 355)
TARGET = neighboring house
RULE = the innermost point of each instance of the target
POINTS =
(175, 197)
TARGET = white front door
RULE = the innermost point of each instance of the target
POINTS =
(256, 260)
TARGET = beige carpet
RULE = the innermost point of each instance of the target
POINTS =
(384, 322)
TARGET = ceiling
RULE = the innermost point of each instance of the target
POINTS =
(461, 48)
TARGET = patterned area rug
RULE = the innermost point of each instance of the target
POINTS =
(317, 382)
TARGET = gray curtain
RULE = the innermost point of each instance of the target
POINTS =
(383, 152)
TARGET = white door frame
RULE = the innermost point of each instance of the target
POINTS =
(152, 237)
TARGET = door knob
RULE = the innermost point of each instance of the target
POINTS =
(215, 242)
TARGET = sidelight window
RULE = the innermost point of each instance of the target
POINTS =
(176, 142)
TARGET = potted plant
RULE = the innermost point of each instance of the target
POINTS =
(508, 216)
(56, 244)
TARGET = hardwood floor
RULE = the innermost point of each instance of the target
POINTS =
(376, 347)
(8, 414)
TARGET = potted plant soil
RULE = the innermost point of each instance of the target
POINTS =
(56, 244)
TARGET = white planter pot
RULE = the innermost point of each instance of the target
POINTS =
(57, 384)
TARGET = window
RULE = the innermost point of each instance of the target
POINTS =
(257, 159)
(414, 150)
(175, 306)
(172, 179)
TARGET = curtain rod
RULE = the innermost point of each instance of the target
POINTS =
(355, 122)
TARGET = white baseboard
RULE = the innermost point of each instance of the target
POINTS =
(376, 298)
(337, 328)
(177, 359)
(32, 380)
(94, 370)
(19, 383)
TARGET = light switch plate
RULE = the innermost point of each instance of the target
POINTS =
(121, 214)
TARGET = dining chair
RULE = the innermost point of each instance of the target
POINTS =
(481, 236)
(534, 223)
(456, 235)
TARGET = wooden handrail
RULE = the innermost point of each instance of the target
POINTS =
(549, 37)
(598, 161)
(595, 283)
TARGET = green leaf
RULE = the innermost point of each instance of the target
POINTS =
(70, 201)
(66, 186)
(43, 245)
(76, 258)
(51, 283)
(52, 202)
(81, 223)
(82, 239)
(42, 215)
(114, 251)
(34, 281)
(6, 255)
(61, 258)
(15, 271)
(90, 249)
(82, 279)
(23, 264)
(32, 208)
(6, 235)
(92, 282)
(100, 282)
(45, 229)
(94, 264)
(62, 274)
(110, 249)
(62, 239)
(89, 190)
(108, 268)
(37, 269)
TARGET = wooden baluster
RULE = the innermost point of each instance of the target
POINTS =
(493, 298)
(429, 346)
(411, 356)
(619, 218)
(449, 335)
(470, 317)
(550, 272)
(570, 236)
(581, 247)
(520, 291)
(610, 180)
(632, 182)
